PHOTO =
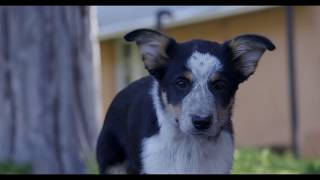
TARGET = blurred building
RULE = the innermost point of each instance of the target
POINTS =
(262, 111)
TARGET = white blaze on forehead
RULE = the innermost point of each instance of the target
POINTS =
(203, 65)
(200, 101)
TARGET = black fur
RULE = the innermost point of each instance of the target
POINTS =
(130, 118)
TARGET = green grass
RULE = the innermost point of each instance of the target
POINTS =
(92, 167)
(9, 168)
(252, 161)
(247, 161)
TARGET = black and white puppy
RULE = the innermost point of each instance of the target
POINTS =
(178, 120)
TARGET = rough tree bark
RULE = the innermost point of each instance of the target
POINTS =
(48, 90)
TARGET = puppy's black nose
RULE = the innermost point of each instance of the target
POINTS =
(201, 123)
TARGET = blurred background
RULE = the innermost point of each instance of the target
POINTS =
(276, 113)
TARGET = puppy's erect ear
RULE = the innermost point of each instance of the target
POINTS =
(247, 50)
(153, 47)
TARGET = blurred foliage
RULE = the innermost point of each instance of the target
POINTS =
(92, 167)
(247, 161)
(9, 168)
(253, 161)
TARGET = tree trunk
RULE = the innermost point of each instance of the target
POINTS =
(48, 89)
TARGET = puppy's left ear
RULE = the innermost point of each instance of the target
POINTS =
(247, 50)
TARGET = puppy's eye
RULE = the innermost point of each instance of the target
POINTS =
(181, 83)
(219, 85)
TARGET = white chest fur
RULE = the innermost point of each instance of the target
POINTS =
(187, 155)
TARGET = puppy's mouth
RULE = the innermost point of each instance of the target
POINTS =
(202, 134)
(207, 135)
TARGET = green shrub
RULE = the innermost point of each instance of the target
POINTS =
(252, 161)
(246, 161)
(92, 167)
(9, 168)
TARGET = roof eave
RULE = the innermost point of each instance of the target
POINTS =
(184, 17)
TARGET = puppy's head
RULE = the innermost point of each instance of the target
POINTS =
(198, 79)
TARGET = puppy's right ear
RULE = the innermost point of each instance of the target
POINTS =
(153, 47)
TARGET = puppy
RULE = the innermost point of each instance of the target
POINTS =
(178, 119)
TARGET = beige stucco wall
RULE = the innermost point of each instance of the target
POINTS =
(261, 114)
(307, 40)
(108, 72)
